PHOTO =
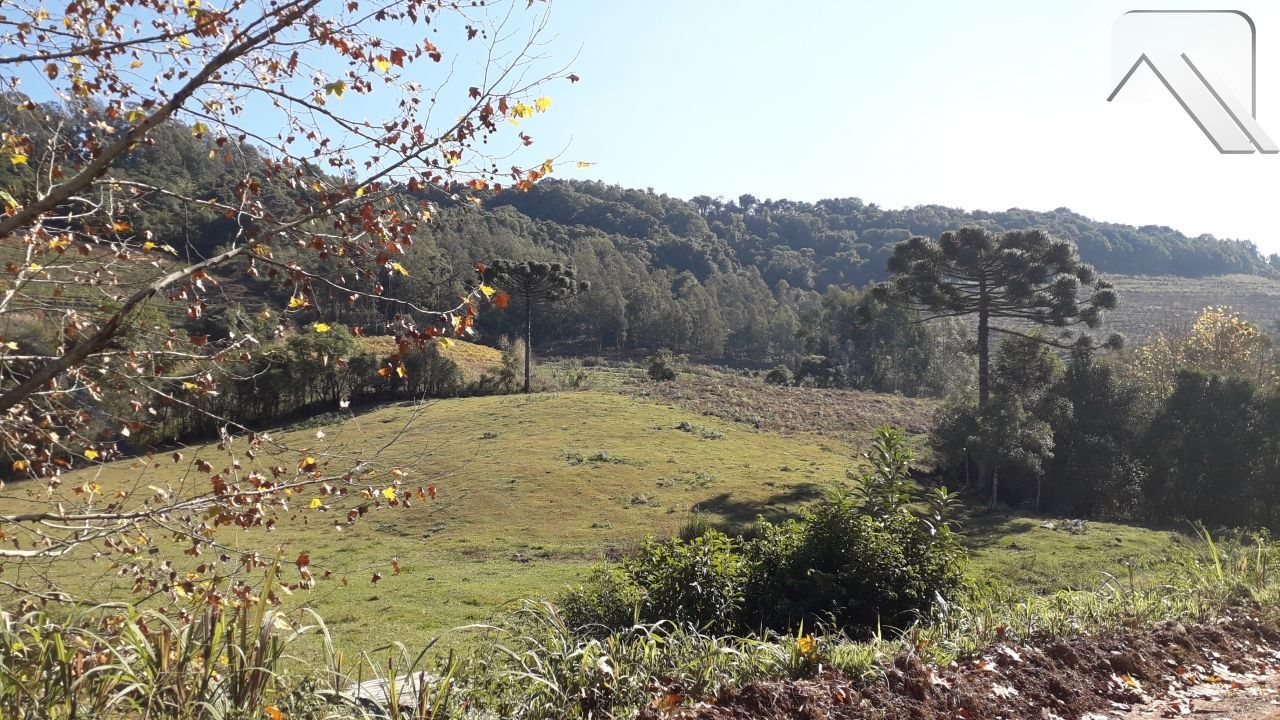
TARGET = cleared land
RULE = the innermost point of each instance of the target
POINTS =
(535, 490)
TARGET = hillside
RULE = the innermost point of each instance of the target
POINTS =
(533, 491)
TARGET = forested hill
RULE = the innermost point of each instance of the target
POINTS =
(846, 240)
(742, 280)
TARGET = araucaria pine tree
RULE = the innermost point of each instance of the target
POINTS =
(1023, 276)
(535, 283)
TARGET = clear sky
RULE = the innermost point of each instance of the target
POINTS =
(984, 105)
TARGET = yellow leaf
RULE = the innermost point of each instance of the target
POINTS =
(582, 164)
(199, 129)
(488, 291)
(383, 64)
(321, 327)
(91, 454)
(402, 371)
(389, 493)
(315, 503)
(359, 192)
(399, 268)
(11, 345)
(18, 159)
(20, 465)
(521, 111)
(184, 41)
(335, 88)
(135, 65)
(542, 104)
(189, 385)
(42, 14)
(148, 245)
(444, 342)
(296, 302)
(35, 267)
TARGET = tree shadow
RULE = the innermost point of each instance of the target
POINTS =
(736, 513)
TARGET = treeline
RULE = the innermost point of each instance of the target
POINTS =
(1186, 427)
(738, 281)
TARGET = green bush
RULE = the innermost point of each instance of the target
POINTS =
(699, 582)
(664, 365)
(842, 566)
(780, 375)
(609, 600)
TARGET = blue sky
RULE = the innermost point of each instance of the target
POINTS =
(983, 105)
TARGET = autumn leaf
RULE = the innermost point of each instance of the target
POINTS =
(384, 371)
(296, 302)
(315, 503)
(382, 64)
(488, 291)
(91, 454)
(389, 493)
(184, 41)
(321, 327)
(501, 300)
(273, 712)
(444, 342)
(335, 88)
(18, 159)
(402, 371)
(399, 268)
(542, 104)
(20, 465)
(303, 560)
(431, 491)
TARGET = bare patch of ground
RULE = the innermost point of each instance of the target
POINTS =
(1223, 669)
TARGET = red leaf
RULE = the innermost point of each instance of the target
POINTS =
(501, 300)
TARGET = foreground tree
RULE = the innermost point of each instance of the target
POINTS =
(532, 283)
(340, 138)
(1023, 276)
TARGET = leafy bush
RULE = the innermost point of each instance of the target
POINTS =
(609, 600)
(842, 566)
(699, 581)
(664, 365)
(780, 375)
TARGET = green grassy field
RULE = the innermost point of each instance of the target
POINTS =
(535, 490)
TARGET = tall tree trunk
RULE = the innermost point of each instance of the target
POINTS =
(1039, 485)
(984, 358)
(528, 339)
(995, 487)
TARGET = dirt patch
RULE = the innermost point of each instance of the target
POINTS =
(1169, 670)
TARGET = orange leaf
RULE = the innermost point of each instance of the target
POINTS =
(273, 712)
(501, 300)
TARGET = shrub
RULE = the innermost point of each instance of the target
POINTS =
(609, 600)
(780, 375)
(699, 582)
(842, 566)
(664, 365)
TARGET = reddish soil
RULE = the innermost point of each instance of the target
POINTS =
(1225, 669)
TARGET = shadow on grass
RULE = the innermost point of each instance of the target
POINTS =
(736, 514)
